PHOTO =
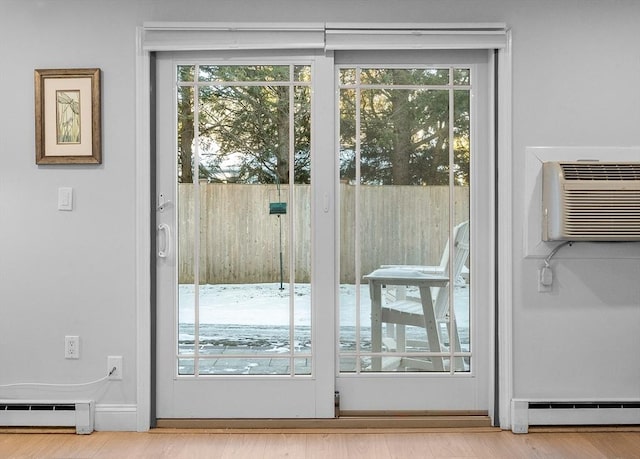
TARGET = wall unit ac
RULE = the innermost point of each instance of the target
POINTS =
(590, 201)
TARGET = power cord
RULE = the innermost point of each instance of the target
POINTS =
(546, 273)
(104, 378)
(554, 251)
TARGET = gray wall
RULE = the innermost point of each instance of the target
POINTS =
(576, 81)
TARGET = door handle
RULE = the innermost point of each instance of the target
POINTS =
(166, 249)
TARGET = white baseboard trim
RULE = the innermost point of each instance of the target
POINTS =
(527, 413)
(116, 417)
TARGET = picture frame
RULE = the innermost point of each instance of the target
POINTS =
(68, 116)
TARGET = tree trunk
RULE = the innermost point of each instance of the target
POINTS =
(185, 115)
(402, 123)
(282, 165)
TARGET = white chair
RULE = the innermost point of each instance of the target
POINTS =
(442, 269)
(401, 310)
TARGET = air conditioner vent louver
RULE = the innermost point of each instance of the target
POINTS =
(600, 171)
(591, 201)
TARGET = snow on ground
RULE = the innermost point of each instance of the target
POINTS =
(241, 319)
(266, 304)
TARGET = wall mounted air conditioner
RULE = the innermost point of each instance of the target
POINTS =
(590, 201)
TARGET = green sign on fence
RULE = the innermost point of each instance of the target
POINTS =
(277, 208)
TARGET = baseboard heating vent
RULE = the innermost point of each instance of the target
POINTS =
(49, 413)
(526, 413)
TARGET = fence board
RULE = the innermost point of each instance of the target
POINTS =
(240, 241)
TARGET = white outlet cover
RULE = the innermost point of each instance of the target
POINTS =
(114, 361)
(71, 347)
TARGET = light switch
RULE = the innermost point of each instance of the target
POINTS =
(65, 198)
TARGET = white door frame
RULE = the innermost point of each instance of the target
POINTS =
(198, 36)
(308, 396)
(473, 389)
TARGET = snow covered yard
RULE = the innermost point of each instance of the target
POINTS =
(240, 319)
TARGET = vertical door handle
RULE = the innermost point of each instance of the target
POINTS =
(166, 248)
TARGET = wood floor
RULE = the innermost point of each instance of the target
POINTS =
(322, 444)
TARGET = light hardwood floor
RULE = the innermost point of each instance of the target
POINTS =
(325, 445)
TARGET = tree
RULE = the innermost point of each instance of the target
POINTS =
(244, 129)
(186, 130)
(404, 129)
(244, 120)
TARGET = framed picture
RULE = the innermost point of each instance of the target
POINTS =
(67, 116)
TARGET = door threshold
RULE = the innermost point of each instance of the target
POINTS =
(356, 422)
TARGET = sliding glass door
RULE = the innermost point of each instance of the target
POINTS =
(320, 232)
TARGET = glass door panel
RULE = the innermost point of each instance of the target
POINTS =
(235, 148)
(404, 187)
(242, 317)
(415, 189)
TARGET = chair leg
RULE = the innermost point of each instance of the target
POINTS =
(390, 330)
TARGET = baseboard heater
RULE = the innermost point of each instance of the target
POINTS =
(527, 413)
(48, 413)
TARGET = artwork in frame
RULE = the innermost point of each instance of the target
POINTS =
(68, 116)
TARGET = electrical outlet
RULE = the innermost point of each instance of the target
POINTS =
(71, 347)
(114, 367)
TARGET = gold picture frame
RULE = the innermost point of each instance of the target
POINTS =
(68, 116)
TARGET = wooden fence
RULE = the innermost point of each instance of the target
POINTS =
(240, 240)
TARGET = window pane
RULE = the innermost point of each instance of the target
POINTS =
(461, 76)
(302, 73)
(185, 159)
(186, 367)
(186, 72)
(349, 299)
(460, 321)
(405, 137)
(186, 326)
(220, 73)
(347, 76)
(302, 223)
(185, 134)
(253, 366)
(404, 76)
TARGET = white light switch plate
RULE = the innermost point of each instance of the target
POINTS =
(65, 198)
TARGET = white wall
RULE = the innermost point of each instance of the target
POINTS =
(67, 273)
(575, 74)
(576, 82)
